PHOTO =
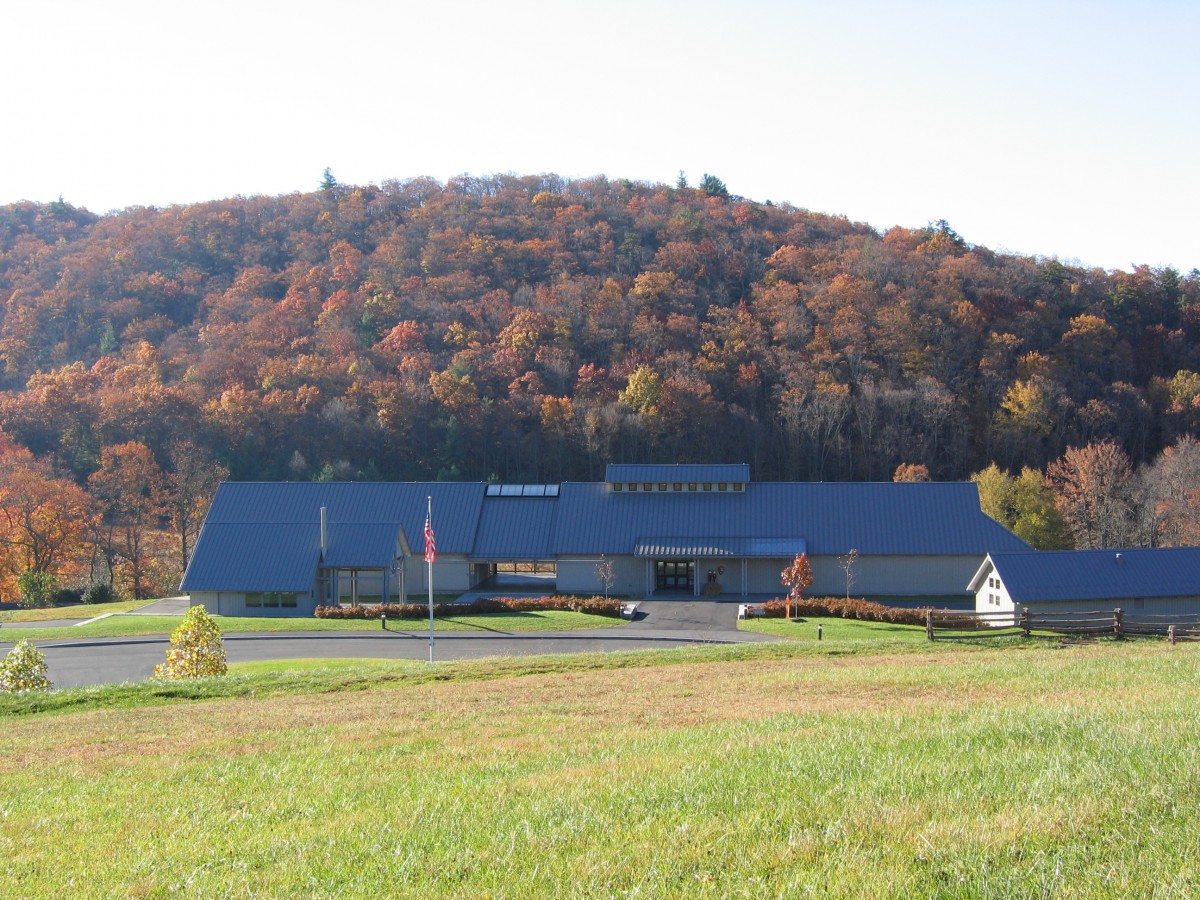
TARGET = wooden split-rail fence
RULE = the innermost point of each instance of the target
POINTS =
(945, 624)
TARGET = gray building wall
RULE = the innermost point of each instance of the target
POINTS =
(233, 603)
(451, 574)
(578, 576)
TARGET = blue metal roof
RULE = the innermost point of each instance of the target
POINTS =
(254, 557)
(456, 506)
(515, 528)
(932, 519)
(363, 545)
(735, 473)
(256, 528)
(1066, 575)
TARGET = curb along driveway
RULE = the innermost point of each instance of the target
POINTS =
(659, 623)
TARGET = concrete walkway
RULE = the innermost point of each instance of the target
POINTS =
(169, 606)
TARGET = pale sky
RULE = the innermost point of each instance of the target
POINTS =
(1065, 129)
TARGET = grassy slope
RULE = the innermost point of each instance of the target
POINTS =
(784, 769)
(124, 626)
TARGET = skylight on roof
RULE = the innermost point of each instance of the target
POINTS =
(522, 490)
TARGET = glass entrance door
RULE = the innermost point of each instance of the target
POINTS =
(675, 575)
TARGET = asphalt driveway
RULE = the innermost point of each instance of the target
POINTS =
(659, 623)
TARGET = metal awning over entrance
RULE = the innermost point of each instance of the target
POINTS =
(719, 548)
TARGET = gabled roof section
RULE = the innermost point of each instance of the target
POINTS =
(885, 518)
(456, 506)
(1066, 575)
(260, 529)
(358, 545)
(515, 528)
(254, 557)
(735, 473)
(921, 519)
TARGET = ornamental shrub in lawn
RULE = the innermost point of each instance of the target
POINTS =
(196, 650)
(37, 589)
(23, 669)
(98, 592)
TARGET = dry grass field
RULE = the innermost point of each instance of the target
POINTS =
(781, 770)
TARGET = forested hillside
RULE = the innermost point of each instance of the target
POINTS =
(533, 329)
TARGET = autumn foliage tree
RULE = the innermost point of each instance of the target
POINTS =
(1092, 486)
(797, 578)
(534, 328)
(129, 484)
(44, 519)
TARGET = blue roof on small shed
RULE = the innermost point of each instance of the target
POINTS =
(654, 473)
(1066, 575)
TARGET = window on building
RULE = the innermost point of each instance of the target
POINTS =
(617, 486)
(647, 487)
(737, 487)
(677, 487)
(708, 485)
(722, 486)
(270, 600)
(691, 486)
(662, 485)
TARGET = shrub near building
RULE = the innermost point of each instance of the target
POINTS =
(195, 650)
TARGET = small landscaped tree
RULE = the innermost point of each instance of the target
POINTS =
(195, 650)
(846, 563)
(605, 575)
(797, 578)
(23, 669)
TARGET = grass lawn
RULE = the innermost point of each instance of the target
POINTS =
(127, 626)
(834, 630)
(783, 769)
(74, 611)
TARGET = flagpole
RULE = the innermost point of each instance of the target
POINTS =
(429, 568)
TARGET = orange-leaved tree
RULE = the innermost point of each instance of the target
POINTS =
(43, 519)
(797, 578)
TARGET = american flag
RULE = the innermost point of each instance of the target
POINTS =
(430, 545)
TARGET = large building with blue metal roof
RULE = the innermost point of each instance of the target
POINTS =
(679, 530)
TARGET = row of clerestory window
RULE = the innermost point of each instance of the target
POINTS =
(676, 486)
